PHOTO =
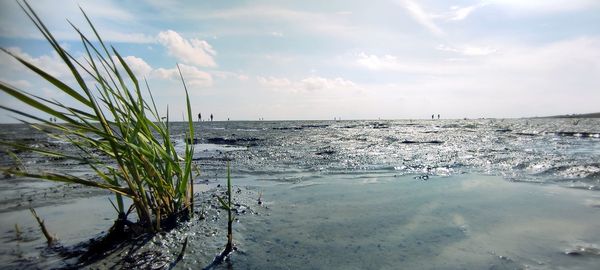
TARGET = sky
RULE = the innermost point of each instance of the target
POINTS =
(287, 60)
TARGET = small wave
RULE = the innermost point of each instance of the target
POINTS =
(377, 125)
(526, 134)
(325, 152)
(421, 142)
(232, 141)
(288, 128)
(585, 249)
(577, 134)
(314, 126)
(451, 126)
(569, 172)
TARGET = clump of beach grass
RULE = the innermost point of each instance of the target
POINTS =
(118, 134)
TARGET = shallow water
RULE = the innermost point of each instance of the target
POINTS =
(72, 221)
(443, 194)
(466, 221)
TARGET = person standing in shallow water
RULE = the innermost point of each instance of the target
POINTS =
(438, 116)
(432, 116)
(199, 117)
(211, 117)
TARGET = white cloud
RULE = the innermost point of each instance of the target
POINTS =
(336, 24)
(544, 6)
(516, 80)
(21, 84)
(308, 84)
(320, 83)
(374, 62)
(52, 64)
(391, 63)
(276, 34)
(139, 67)
(109, 17)
(117, 36)
(274, 82)
(428, 19)
(52, 93)
(422, 17)
(461, 13)
(569, 65)
(194, 51)
(345, 13)
(430, 67)
(108, 35)
(388, 63)
(100, 9)
(468, 50)
(192, 75)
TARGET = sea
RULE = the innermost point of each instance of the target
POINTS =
(364, 194)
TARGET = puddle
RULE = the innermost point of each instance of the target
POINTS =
(467, 221)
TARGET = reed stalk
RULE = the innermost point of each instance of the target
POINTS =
(50, 238)
(229, 246)
(225, 204)
(137, 155)
(18, 232)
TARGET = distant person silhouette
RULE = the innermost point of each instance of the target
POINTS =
(199, 117)
(438, 116)
(432, 116)
(211, 117)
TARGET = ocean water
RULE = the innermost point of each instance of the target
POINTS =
(560, 151)
(405, 194)
(539, 150)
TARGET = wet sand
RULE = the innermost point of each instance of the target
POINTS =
(367, 221)
(75, 218)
